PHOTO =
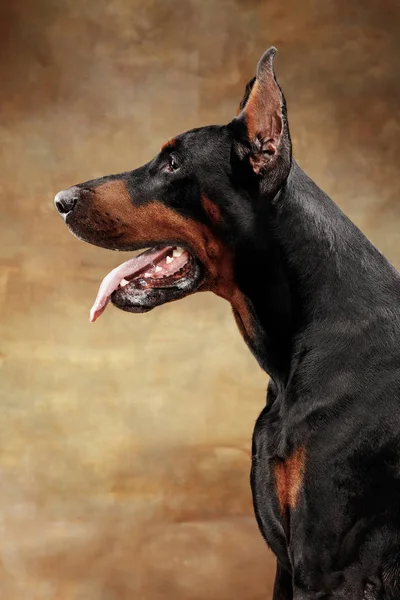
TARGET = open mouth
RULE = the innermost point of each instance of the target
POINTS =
(155, 276)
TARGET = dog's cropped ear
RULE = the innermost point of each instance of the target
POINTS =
(261, 123)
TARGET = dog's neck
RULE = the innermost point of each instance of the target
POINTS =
(313, 264)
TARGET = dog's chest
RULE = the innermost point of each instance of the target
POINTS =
(277, 484)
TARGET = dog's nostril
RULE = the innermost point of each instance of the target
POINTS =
(66, 200)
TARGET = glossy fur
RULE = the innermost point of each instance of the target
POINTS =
(318, 306)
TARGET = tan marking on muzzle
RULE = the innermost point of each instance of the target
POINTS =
(112, 210)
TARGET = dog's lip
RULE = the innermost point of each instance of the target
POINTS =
(146, 263)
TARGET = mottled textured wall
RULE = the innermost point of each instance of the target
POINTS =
(124, 446)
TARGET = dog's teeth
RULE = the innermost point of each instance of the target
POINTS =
(124, 282)
(158, 269)
(177, 252)
(169, 259)
(147, 274)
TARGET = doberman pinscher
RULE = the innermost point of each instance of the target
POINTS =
(226, 208)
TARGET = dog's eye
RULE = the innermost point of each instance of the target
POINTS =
(172, 164)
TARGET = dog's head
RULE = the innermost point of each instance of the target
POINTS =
(197, 205)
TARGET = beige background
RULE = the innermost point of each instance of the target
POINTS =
(124, 445)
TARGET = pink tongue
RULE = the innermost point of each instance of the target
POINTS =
(113, 279)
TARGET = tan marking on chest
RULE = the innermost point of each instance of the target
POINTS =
(288, 475)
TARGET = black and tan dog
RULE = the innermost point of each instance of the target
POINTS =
(226, 208)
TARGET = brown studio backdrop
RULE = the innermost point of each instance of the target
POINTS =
(125, 446)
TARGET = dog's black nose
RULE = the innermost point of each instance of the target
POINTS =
(66, 200)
